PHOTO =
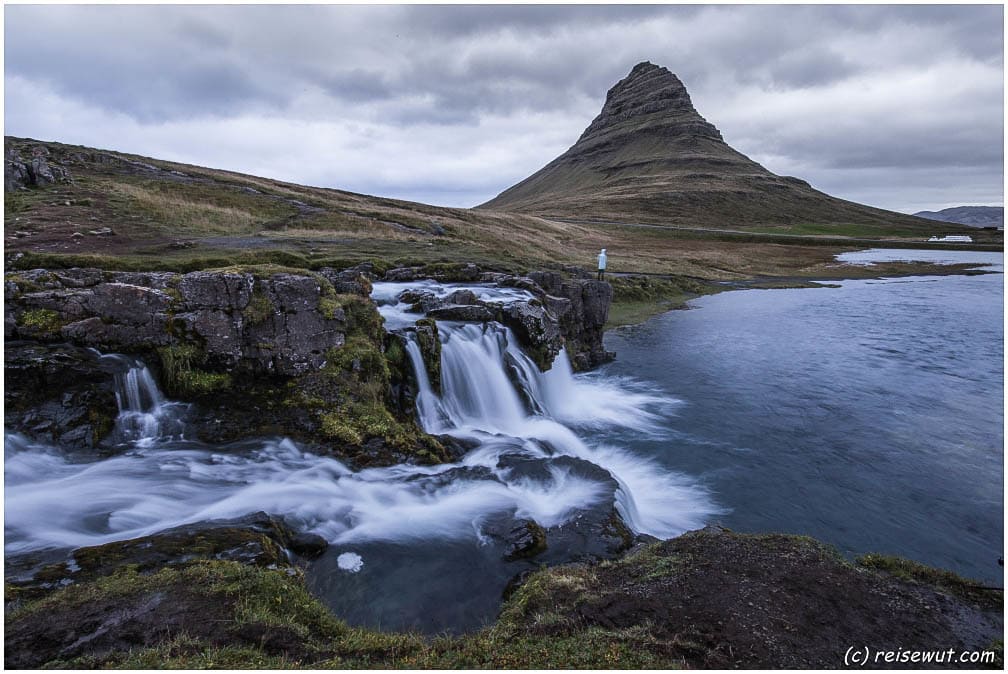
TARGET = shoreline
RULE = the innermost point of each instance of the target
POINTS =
(630, 312)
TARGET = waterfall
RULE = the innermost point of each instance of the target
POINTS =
(432, 415)
(491, 390)
(537, 440)
(145, 416)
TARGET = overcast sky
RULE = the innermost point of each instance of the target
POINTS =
(900, 107)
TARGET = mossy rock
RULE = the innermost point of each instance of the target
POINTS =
(40, 323)
(430, 348)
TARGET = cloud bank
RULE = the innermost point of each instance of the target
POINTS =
(895, 106)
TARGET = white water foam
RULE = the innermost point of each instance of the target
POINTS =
(52, 502)
(145, 416)
(350, 561)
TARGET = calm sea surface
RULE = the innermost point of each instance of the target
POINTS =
(870, 416)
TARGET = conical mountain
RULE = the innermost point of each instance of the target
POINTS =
(650, 157)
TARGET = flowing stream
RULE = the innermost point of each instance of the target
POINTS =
(410, 546)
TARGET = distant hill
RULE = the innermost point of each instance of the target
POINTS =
(650, 157)
(972, 216)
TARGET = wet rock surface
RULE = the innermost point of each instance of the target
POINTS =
(257, 539)
(61, 394)
(596, 532)
(563, 312)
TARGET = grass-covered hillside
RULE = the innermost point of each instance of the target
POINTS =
(119, 211)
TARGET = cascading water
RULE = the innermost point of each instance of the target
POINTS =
(425, 541)
(483, 370)
(145, 416)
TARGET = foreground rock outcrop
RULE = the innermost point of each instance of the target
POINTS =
(710, 598)
(301, 355)
(281, 324)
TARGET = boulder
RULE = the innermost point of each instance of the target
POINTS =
(536, 329)
(474, 313)
(462, 296)
(16, 176)
(36, 171)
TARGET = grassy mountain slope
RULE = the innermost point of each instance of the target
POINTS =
(165, 215)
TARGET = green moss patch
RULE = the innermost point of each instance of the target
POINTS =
(182, 374)
(260, 309)
(43, 322)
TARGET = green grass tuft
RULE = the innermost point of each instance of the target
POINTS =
(182, 375)
(259, 309)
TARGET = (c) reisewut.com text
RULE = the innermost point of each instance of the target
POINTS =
(865, 656)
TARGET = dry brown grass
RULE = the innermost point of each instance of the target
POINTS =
(186, 215)
(221, 214)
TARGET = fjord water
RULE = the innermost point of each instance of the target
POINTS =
(869, 416)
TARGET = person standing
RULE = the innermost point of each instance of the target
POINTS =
(601, 264)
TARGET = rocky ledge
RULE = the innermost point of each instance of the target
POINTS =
(298, 354)
(563, 312)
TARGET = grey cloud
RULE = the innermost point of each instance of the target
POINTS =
(392, 68)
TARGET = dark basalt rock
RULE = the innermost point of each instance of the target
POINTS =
(309, 546)
(597, 532)
(526, 540)
(278, 325)
(537, 330)
(61, 394)
(430, 348)
(466, 312)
